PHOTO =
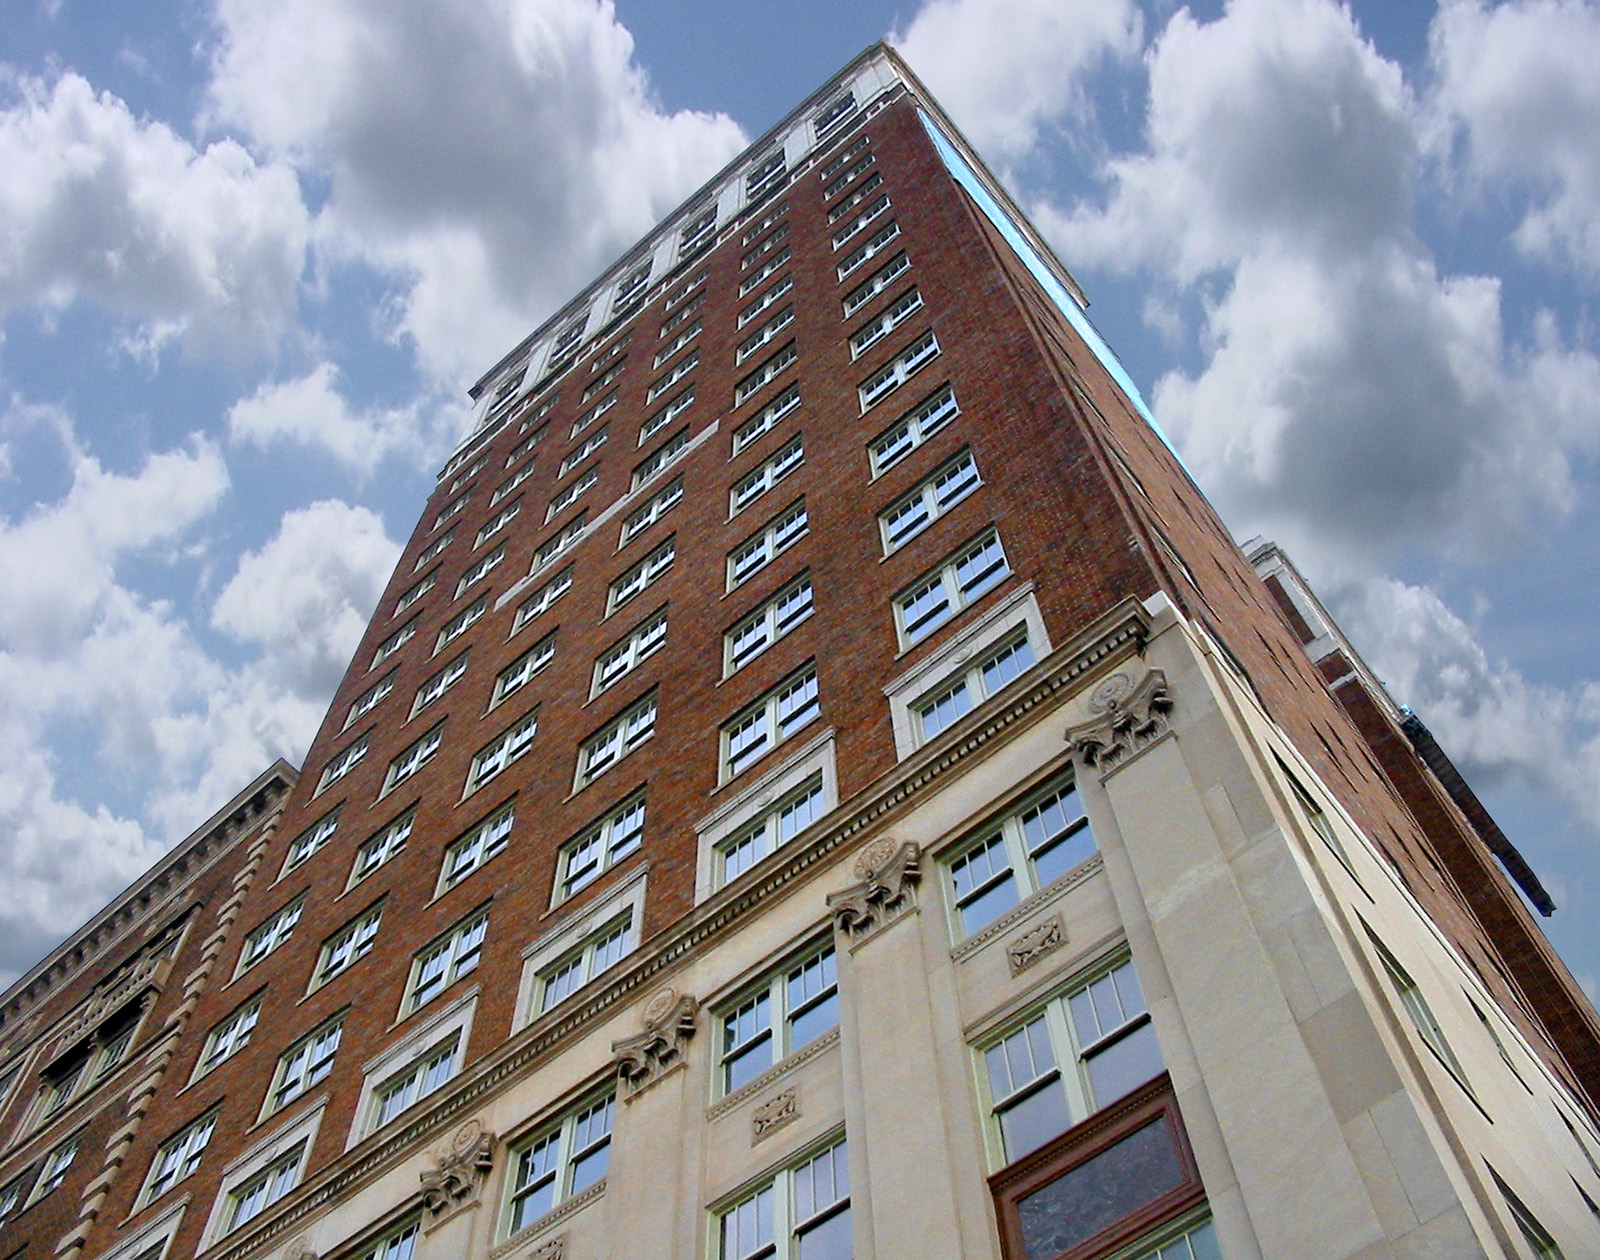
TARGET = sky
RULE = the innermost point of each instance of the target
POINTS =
(253, 256)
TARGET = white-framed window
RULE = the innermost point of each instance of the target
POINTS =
(1063, 1062)
(413, 759)
(630, 293)
(659, 504)
(900, 310)
(503, 749)
(511, 483)
(677, 343)
(393, 643)
(413, 594)
(770, 831)
(756, 483)
(460, 623)
(676, 373)
(416, 1081)
(552, 548)
(566, 342)
(1418, 1011)
(642, 574)
(230, 1036)
(601, 381)
(663, 455)
(900, 369)
(784, 1012)
(769, 173)
(764, 222)
(626, 655)
(304, 1064)
(764, 336)
(480, 569)
(844, 181)
(370, 699)
(685, 290)
(610, 353)
(754, 634)
(943, 707)
(615, 740)
(434, 549)
(801, 1213)
(562, 1159)
(837, 212)
(936, 597)
(61, 1083)
(399, 1243)
(766, 419)
(56, 1165)
(767, 300)
(273, 931)
(342, 763)
(517, 674)
(445, 960)
(311, 839)
(178, 1157)
(765, 814)
(768, 543)
(930, 499)
(437, 684)
(837, 161)
(679, 317)
(771, 267)
(758, 380)
(1028, 847)
(468, 473)
(449, 510)
(596, 953)
(760, 727)
(384, 844)
(869, 249)
(1192, 1240)
(347, 946)
(590, 445)
(912, 429)
(567, 497)
(526, 445)
(876, 283)
(698, 233)
(481, 842)
(600, 846)
(765, 248)
(254, 1196)
(666, 415)
(497, 522)
(542, 599)
(834, 115)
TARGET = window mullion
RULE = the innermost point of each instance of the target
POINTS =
(1017, 852)
(1064, 1044)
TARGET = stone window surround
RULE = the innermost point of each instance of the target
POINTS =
(302, 1128)
(566, 934)
(456, 1017)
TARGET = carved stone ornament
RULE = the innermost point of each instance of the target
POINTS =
(1039, 940)
(1129, 716)
(669, 1021)
(889, 872)
(300, 1249)
(459, 1169)
(781, 1109)
(553, 1249)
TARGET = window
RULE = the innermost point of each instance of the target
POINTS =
(113, 1040)
(876, 283)
(416, 1082)
(764, 222)
(449, 510)
(346, 946)
(543, 598)
(270, 934)
(839, 185)
(839, 159)
(684, 290)
(623, 657)
(526, 445)
(768, 833)
(677, 343)
(591, 444)
(342, 763)
(1028, 848)
(766, 300)
(601, 381)
(513, 482)
(763, 375)
(413, 759)
(566, 342)
(505, 748)
(515, 675)
(230, 1036)
(913, 429)
(610, 353)
(837, 212)
(498, 521)
(11, 1198)
(393, 643)
(615, 740)
(601, 846)
(569, 973)
(662, 502)
(679, 370)
(253, 1197)
(766, 418)
(768, 268)
(571, 533)
(769, 173)
(446, 960)
(384, 844)
(898, 312)
(790, 1009)
(759, 550)
(698, 233)
(758, 729)
(564, 1159)
(975, 684)
(1533, 1233)
(304, 1064)
(642, 574)
(566, 498)
(369, 699)
(910, 515)
(439, 683)
(865, 253)
(764, 335)
(936, 597)
(55, 1168)
(415, 593)
(1317, 818)
(766, 248)
(311, 839)
(178, 1156)
(467, 474)
(1080, 1053)
(590, 416)
(666, 415)
(467, 853)
(1420, 1013)
(835, 115)
(1197, 1242)
(898, 370)
(398, 1244)
(480, 569)
(663, 455)
(434, 549)
(753, 485)
(801, 1214)
(630, 293)
(754, 634)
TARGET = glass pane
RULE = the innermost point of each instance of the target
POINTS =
(750, 1063)
(989, 905)
(1030, 1123)
(1124, 1065)
(830, 1239)
(590, 1167)
(814, 1021)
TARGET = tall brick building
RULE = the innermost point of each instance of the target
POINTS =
(820, 782)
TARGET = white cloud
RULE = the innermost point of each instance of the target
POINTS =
(492, 154)
(95, 203)
(1007, 70)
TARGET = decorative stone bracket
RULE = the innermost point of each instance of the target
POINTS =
(669, 1023)
(889, 872)
(1129, 718)
(458, 1175)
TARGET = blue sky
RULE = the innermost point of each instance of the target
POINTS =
(252, 256)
